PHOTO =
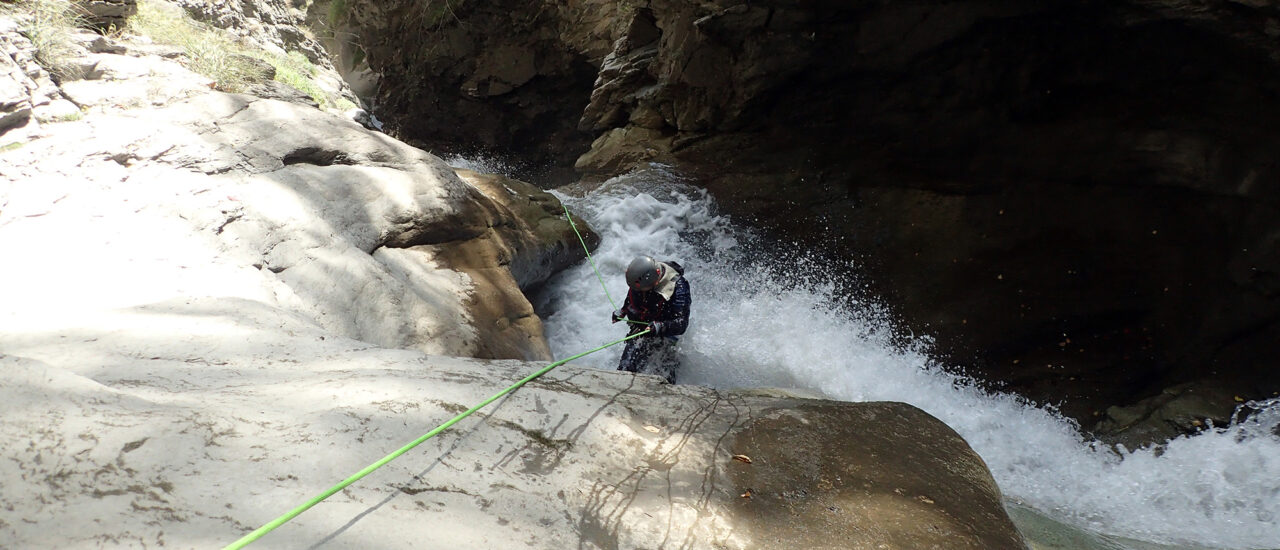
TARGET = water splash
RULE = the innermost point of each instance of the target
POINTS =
(769, 317)
(485, 164)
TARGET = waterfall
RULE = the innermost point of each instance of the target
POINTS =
(769, 316)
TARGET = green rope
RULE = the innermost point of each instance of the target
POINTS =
(593, 264)
(589, 258)
(271, 526)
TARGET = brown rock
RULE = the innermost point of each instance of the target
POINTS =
(625, 148)
(1180, 410)
(525, 241)
(108, 14)
(871, 475)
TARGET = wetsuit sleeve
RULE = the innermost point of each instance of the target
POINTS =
(678, 321)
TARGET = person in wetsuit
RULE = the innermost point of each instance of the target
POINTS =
(657, 299)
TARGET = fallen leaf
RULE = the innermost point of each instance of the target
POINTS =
(652, 429)
(1239, 399)
(742, 458)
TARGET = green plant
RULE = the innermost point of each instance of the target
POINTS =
(337, 11)
(233, 71)
(432, 14)
(213, 53)
(48, 24)
(162, 22)
(297, 71)
(209, 51)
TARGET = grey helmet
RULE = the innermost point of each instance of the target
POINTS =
(644, 273)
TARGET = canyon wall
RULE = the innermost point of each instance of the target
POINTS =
(1078, 200)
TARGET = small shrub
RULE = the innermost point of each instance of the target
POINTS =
(213, 53)
(433, 14)
(297, 71)
(48, 24)
(337, 12)
(209, 51)
(161, 22)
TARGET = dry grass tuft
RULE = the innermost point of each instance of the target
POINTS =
(212, 52)
(49, 24)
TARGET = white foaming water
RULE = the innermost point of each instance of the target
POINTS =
(785, 324)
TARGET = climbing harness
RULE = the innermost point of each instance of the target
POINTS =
(273, 524)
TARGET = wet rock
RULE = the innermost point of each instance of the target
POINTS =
(627, 147)
(526, 240)
(533, 222)
(1181, 410)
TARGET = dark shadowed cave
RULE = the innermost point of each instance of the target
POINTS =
(1079, 200)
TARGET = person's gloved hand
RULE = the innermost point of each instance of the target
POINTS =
(655, 329)
(618, 315)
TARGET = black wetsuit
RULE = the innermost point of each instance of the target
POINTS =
(672, 319)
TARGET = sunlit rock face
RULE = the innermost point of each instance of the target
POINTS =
(1077, 199)
(243, 413)
(230, 196)
(215, 306)
(288, 205)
